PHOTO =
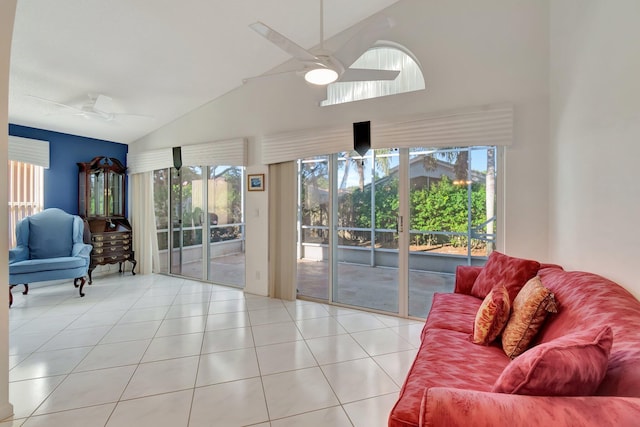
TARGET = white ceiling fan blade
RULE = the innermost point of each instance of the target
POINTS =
(98, 108)
(282, 42)
(273, 75)
(366, 75)
(59, 104)
(363, 40)
(110, 117)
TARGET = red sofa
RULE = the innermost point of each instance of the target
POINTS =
(450, 381)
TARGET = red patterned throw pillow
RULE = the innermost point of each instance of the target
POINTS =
(492, 316)
(511, 272)
(528, 313)
(572, 365)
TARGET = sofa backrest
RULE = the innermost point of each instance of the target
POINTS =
(588, 300)
(50, 234)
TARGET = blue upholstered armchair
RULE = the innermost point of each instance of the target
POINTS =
(50, 247)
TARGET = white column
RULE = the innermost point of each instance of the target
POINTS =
(7, 15)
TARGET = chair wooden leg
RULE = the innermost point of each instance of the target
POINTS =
(25, 292)
(82, 282)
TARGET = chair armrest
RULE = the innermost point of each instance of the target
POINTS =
(454, 407)
(81, 250)
(465, 278)
(19, 253)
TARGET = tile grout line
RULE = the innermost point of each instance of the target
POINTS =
(195, 378)
(66, 376)
(258, 305)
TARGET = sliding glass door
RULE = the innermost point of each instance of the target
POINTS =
(225, 225)
(451, 215)
(385, 231)
(200, 222)
(365, 243)
(186, 222)
(313, 227)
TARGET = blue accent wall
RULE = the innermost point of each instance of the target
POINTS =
(61, 179)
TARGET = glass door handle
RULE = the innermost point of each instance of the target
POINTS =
(400, 224)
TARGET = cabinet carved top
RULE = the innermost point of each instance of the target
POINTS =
(103, 163)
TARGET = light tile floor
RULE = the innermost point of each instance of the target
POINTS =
(161, 351)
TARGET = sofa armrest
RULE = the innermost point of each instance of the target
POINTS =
(81, 250)
(465, 277)
(19, 253)
(454, 407)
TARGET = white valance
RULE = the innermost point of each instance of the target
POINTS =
(232, 152)
(307, 143)
(488, 125)
(26, 150)
(148, 161)
(479, 126)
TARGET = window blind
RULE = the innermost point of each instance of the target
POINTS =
(26, 195)
(26, 150)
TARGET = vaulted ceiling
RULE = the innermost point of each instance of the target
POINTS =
(154, 60)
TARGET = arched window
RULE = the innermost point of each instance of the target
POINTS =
(383, 57)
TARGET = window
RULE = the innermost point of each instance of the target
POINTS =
(26, 183)
(384, 57)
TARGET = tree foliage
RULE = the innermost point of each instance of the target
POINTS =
(179, 186)
(442, 207)
(445, 207)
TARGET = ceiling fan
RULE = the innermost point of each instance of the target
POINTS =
(321, 67)
(98, 107)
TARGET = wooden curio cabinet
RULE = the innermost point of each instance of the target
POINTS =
(101, 196)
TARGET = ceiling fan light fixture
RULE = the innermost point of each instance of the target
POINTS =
(321, 76)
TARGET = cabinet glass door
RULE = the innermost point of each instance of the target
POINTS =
(96, 194)
(115, 194)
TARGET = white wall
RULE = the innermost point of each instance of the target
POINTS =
(7, 14)
(472, 53)
(595, 137)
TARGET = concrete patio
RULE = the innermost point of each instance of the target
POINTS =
(371, 287)
(362, 286)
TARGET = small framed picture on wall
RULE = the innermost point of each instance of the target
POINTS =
(255, 182)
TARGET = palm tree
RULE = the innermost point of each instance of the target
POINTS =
(382, 165)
